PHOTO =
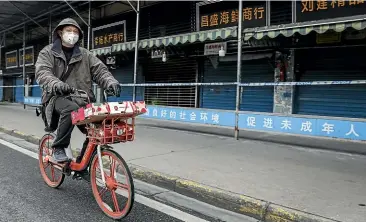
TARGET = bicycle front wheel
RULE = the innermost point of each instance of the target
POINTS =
(116, 197)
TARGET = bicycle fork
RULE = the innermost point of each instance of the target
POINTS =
(99, 152)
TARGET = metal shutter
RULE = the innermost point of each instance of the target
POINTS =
(256, 99)
(124, 74)
(333, 64)
(18, 91)
(218, 97)
(174, 70)
(36, 91)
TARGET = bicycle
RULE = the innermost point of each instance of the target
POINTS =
(101, 131)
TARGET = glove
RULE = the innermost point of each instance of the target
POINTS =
(115, 88)
(61, 88)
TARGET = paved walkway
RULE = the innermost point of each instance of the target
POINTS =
(321, 182)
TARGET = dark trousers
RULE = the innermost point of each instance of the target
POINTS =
(63, 108)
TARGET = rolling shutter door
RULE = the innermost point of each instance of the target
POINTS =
(174, 70)
(19, 91)
(256, 99)
(218, 97)
(124, 75)
(36, 91)
(336, 64)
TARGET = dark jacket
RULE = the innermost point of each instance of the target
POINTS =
(51, 65)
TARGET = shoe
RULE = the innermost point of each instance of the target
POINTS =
(59, 155)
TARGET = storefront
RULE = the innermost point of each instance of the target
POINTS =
(327, 48)
(257, 66)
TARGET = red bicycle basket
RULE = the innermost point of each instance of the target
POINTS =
(111, 130)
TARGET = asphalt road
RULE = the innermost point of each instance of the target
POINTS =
(25, 197)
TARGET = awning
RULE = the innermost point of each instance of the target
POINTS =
(101, 51)
(179, 39)
(289, 30)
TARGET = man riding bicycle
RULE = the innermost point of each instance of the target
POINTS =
(61, 68)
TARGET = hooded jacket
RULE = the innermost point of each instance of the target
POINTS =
(51, 66)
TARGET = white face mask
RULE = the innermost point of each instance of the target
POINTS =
(70, 38)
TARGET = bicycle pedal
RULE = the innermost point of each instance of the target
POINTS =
(77, 177)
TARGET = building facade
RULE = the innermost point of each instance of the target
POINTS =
(302, 68)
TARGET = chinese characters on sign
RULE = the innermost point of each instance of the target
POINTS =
(11, 59)
(107, 35)
(281, 124)
(304, 126)
(254, 16)
(310, 10)
(29, 56)
(214, 48)
(190, 115)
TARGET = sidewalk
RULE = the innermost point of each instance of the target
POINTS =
(320, 182)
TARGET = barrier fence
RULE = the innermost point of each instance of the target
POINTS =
(175, 105)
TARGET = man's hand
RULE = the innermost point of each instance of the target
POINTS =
(62, 88)
(115, 88)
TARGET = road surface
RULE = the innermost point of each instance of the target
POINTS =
(25, 197)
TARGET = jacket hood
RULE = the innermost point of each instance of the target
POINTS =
(67, 21)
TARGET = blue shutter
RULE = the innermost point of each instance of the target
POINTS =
(124, 74)
(19, 91)
(256, 99)
(218, 97)
(36, 91)
(335, 64)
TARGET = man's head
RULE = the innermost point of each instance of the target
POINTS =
(69, 31)
(69, 35)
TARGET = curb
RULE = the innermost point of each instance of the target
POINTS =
(259, 209)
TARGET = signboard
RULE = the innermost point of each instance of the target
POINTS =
(107, 35)
(332, 128)
(156, 54)
(328, 37)
(29, 56)
(310, 10)
(214, 48)
(11, 59)
(253, 16)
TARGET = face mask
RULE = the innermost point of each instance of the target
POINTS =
(70, 38)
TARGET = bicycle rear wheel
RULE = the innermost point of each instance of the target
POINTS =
(45, 149)
(116, 198)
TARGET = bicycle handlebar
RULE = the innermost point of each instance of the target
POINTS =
(83, 94)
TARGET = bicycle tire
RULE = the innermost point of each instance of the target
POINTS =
(131, 190)
(46, 179)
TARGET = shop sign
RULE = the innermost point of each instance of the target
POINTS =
(29, 56)
(311, 10)
(214, 48)
(107, 35)
(253, 16)
(156, 54)
(328, 37)
(11, 59)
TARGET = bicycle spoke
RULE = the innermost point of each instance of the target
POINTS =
(103, 191)
(123, 186)
(47, 165)
(112, 168)
(53, 174)
(115, 202)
